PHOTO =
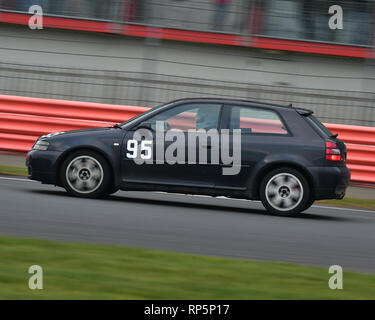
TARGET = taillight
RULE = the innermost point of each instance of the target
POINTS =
(333, 152)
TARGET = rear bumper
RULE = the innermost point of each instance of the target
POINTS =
(42, 165)
(330, 182)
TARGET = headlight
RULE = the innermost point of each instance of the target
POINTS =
(41, 145)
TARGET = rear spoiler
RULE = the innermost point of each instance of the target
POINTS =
(304, 112)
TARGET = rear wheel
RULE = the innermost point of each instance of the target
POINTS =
(308, 204)
(285, 192)
(112, 190)
(86, 174)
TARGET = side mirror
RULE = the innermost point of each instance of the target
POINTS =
(146, 125)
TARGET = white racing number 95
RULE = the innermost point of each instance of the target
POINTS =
(145, 149)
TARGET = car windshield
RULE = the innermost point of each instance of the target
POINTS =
(148, 112)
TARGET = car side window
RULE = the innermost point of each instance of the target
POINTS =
(190, 116)
(255, 120)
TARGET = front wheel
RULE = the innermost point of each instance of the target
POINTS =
(285, 192)
(86, 174)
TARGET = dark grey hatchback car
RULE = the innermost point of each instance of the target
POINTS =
(280, 155)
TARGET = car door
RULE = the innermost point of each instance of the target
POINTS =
(262, 131)
(175, 160)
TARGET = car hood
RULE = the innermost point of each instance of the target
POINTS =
(78, 132)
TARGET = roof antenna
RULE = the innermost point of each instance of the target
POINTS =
(290, 105)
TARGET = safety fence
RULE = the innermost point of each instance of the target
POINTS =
(24, 119)
(144, 88)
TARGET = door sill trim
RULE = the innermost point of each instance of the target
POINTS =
(191, 185)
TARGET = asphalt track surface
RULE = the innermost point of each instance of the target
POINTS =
(321, 236)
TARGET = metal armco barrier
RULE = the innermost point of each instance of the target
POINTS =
(354, 134)
(67, 109)
(23, 120)
(360, 143)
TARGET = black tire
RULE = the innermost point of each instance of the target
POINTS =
(309, 204)
(83, 169)
(285, 192)
(112, 190)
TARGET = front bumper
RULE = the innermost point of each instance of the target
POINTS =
(330, 182)
(42, 165)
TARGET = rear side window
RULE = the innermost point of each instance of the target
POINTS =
(318, 126)
(254, 120)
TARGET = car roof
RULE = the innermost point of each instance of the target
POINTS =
(233, 101)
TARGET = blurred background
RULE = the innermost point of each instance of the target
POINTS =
(149, 52)
(279, 51)
(292, 19)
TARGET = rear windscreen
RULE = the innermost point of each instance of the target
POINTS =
(317, 125)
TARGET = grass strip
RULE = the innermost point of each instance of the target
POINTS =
(83, 271)
(13, 171)
(350, 202)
